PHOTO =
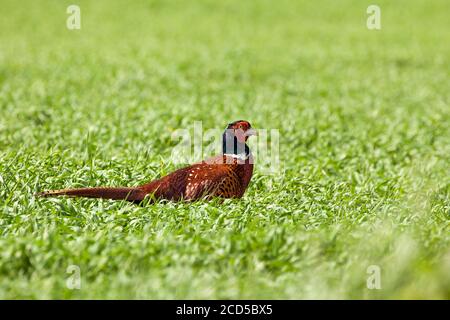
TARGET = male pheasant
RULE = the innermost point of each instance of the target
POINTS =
(226, 175)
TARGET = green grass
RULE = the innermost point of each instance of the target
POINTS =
(365, 143)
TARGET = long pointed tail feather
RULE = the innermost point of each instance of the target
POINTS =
(129, 194)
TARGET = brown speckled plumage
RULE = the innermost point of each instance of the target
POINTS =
(220, 177)
(225, 176)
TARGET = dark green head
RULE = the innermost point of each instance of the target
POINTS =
(235, 137)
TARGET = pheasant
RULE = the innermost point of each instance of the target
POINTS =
(226, 176)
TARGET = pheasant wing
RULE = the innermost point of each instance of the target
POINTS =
(209, 180)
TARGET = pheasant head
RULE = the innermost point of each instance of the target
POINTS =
(235, 137)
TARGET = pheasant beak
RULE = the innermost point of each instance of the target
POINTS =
(251, 132)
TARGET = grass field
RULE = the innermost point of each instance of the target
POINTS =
(363, 117)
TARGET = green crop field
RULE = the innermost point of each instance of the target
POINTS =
(363, 187)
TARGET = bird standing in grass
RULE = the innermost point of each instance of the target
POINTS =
(226, 175)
